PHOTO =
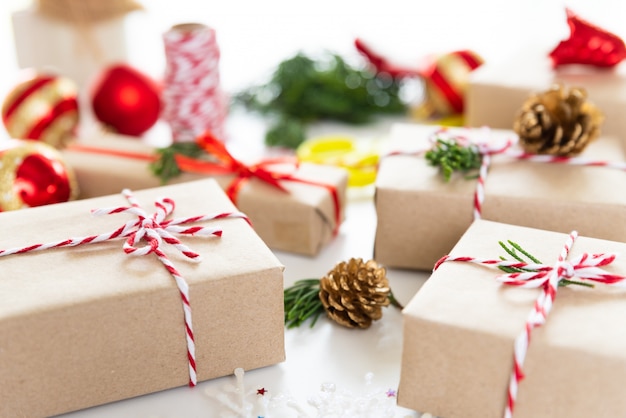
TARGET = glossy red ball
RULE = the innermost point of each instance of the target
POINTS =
(42, 181)
(126, 100)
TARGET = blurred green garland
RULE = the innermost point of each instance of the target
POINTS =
(304, 90)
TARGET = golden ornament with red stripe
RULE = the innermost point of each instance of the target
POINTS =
(33, 174)
(43, 107)
(445, 78)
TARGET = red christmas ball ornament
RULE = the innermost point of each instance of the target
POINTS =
(33, 174)
(43, 107)
(126, 100)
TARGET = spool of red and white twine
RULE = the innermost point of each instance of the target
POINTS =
(192, 99)
(585, 267)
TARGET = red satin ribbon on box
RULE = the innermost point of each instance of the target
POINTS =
(227, 164)
(230, 165)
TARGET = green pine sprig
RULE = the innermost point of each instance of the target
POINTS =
(518, 253)
(307, 89)
(450, 156)
(166, 167)
(302, 302)
(286, 132)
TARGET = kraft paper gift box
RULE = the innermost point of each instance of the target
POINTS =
(497, 90)
(460, 327)
(301, 221)
(89, 325)
(420, 216)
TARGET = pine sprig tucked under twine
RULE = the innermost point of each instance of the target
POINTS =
(166, 167)
(518, 253)
(352, 294)
(450, 156)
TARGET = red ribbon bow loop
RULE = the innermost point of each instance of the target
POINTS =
(230, 165)
(588, 44)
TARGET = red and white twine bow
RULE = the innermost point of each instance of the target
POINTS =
(506, 148)
(154, 231)
(585, 267)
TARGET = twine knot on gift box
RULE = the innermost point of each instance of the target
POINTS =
(155, 230)
(585, 268)
(453, 142)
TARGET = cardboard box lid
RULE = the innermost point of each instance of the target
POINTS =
(46, 279)
(507, 177)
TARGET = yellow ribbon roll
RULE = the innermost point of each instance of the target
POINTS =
(341, 151)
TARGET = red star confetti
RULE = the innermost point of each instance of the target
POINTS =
(261, 391)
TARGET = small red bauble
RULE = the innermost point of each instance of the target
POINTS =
(33, 174)
(126, 100)
(43, 107)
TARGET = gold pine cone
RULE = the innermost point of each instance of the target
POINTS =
(353, 293)
(558, 122)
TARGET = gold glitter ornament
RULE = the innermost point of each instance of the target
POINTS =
(33, 174)
(558, 121)
(43, 107)
(353, 293)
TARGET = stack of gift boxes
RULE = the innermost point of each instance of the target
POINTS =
(466, 335)
(519, 316)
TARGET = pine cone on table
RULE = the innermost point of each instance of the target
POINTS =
(353, 293)
(558, 122)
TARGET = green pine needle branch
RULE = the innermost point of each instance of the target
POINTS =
(165, 167)
(523, 256)
(450, 156)
(302, 302)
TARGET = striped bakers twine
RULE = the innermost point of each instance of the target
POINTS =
(192, 99)
(506, 149)
(153, 230)
(585, 267)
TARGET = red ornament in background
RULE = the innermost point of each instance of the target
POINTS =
(43, 107)
(33, 174)
(126, 100)
(445, 77)
(588, 44)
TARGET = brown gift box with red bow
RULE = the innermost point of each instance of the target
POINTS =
(302, 220)
(460, 327)
(87, 325)
(421, 217)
